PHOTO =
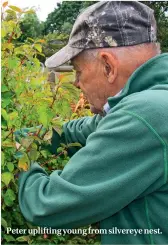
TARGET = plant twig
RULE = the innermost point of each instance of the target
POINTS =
(11, 36)
(11, 132)
(39, 130)
(55, 95)
(55, 157)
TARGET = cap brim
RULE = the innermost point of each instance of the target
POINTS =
(62, 56)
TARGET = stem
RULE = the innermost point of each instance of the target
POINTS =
(39, 130)
(42, 137)
(19, 148)
(55, 96)
(55, 157)
(11, 132)
(23, 60)
(11, 36)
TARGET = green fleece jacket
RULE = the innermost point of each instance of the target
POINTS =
(120, 175)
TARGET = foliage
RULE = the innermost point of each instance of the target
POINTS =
(28, 101)
(161, 15)
(63, 17)
(53, 43)
(31, 27)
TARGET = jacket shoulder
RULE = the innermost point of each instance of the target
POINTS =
(148, 101)
(149, 105)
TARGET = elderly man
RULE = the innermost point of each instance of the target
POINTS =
(120, 176)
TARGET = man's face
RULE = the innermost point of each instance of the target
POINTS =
(91, 80)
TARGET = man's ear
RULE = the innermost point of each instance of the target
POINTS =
(110, 65)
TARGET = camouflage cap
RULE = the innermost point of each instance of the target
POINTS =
(108, 24)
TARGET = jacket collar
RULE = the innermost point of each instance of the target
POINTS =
(151, 73)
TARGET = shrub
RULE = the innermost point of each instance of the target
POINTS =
(30, 101)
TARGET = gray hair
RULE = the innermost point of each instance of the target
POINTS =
(128, 52)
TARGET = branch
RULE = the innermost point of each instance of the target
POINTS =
(55, 157)
(11, 132)
(39, 130)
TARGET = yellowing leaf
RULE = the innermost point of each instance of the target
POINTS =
(8, 143)
(13, 115)
(23, 165)
(40, 41)
(7, 177)
(26, 142)
(15, 8)
(38, 47)
(30, 11)
(5, 4)
(24, 162)
(3, 33)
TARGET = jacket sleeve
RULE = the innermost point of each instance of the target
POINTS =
(75, 131)
(121, 161)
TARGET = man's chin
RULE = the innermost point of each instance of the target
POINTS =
(95, 111)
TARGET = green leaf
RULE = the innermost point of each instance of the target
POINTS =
(43, 117)
(22, 238)
(5, 102)
(63, 145)
(45, 153)
(9, 238)
(4, 88)
(19, 218)
(7, 177)
(4, 223)
(9, 197)
(60, 149)
(2, 158)
(4, 114)
(74, 144)
(12, 63)
(34, 146)
(33, 154)
(30, 39)
(19, 154)
(15, 8)
(10, 166)
(38, 47)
